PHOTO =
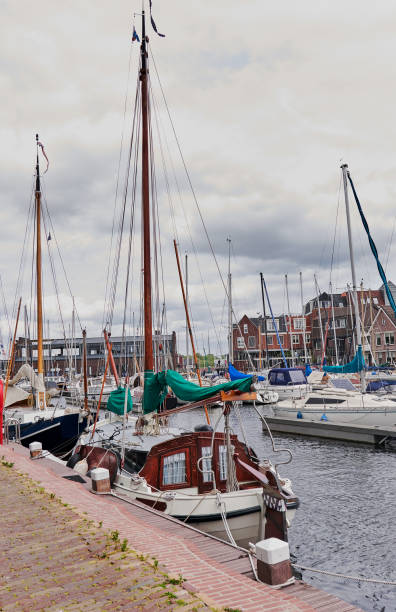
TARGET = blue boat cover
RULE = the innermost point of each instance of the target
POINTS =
(375, 385)
(237, 375)
(308, 370)
(287, 376)
(356, 365)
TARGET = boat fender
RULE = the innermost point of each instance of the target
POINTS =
(299, 415)
(73, 460)
(203, 427)
(324, 417)
(81, 467)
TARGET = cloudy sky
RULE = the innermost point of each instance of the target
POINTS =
(266, 99)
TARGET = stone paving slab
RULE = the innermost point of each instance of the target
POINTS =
(151, 550)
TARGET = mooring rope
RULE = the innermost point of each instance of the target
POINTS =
(346, 576)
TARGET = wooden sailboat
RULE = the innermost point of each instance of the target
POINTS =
(206, 477)
(31, 417)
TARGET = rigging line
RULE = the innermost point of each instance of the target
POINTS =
(390, 243)
(29, 220)
(33, 275)
(130, 240)
(117, 183)
(52, 265)
(335, 229)
(156, 221)
(189, 179)
(113, 288)
(164, 166)
(153, 209)
(5, 308)
(184, 213)
(53, 234)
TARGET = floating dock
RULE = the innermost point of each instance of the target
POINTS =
(367, 434)
(69, 549)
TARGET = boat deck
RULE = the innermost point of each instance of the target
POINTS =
(216, 574)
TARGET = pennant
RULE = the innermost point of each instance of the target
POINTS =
(135, 35)
(153, 23)
(49, 237)
(45, 155)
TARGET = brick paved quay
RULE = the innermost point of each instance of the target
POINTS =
(67, 549)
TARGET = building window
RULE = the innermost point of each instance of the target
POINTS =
(174, 469)
(307, 337)
(206, 464)
(389, 339)
(245, 328)
(383, 322)
(299, 323)
(296, 339)
(270, 325)
(270, 339)
(251, 342)
(378, 341)
(375, 300)
(240, 342)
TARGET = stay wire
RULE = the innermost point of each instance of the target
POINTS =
(116, 263)
(192, 191)
(53, 234)
(117, 185)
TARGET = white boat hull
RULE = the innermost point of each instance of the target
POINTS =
(242, 508)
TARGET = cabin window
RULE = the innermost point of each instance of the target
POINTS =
(174, 469)
(245, 328)
(240, 342)
(389, 339)
(206, 464)
(223, 462)
(297, 376)
(251, 341)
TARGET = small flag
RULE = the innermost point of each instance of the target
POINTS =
(135, 35)
(49, 236)
(44, 153)
(153, 23)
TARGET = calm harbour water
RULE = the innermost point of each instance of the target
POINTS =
(346, 520)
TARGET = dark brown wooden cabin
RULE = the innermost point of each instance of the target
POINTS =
(172, 465)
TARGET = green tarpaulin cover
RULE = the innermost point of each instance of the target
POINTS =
(156, 388)
(356, 365)
(116, 401)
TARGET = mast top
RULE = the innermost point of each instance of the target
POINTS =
(38, 188)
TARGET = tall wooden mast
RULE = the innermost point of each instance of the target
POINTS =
(40, 392)
(148, 331)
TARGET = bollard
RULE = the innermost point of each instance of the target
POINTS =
(100, 478)
(273, 562)
(36, 449)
